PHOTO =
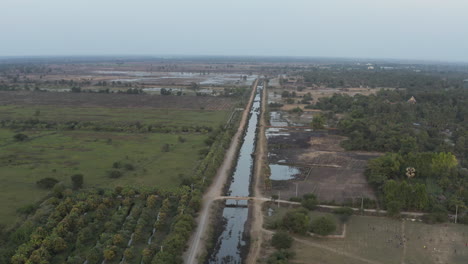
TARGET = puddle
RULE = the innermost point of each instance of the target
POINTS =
(283, 172)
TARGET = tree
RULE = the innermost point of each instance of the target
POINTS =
(129, 253)
(110, 253)
(323, 226)
(296, 221)
(442, 162)
(309, 202)
(281, 256)
(20, 137)
(152, 201)
(77, 181)
(165, 148)
(281, 240)
(318, 122)
(114, 174)
(47, 183)
(118, 240)
(344, 213)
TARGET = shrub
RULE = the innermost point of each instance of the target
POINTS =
(295, 199)
(323, 226)
(165, 148)
(129, 167)
(117, 165)
(438, 215)
(114, 174)
(77, 181)
(280, 257)
(47, 183)
(281, 240)
(309, 201)
(344, 213)
(20, 137)
(27, 209)
(275, 105)
(296, 221)
(393, 208)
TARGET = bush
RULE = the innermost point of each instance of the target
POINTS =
(114, 174)
(344, 213)
(438, 215)
(77, 181)
(275, 105)
(280, 257)
(463, 220)
(20, 137)
(323, 226)
(165, 148)
(281, 240)
(296, 221)
(129, 167)
(309, 201)
(117, 165)
(393, 208)
(295, 199)
(28, 209)
(47, 183)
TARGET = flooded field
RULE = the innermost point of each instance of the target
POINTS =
(232, 244)
(179, 78)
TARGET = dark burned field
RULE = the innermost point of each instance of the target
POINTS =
(332, 174)
(115, 100)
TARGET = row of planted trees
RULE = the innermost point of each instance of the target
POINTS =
(128, 226)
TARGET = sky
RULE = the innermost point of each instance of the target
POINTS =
(399, 29)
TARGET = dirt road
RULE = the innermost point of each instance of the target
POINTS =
(196, 241)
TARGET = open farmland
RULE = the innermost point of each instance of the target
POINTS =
(114, 100)
(150, 140)
(380, 240)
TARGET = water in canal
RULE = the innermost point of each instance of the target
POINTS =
(232, 244)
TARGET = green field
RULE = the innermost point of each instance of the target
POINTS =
(91, 147)
(172, 117)
(60, 155)
(380, 240)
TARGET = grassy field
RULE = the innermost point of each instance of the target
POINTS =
(60, 155)
(384, 240)
(111, 115)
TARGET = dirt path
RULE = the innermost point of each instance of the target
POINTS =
(339, 252)
(335, 251)
(197, 240)
(257, 218)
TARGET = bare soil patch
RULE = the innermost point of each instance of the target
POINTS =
(328, 171)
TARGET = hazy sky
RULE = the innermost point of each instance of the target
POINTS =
(411, 29)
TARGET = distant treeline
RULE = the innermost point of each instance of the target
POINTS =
(397, 78)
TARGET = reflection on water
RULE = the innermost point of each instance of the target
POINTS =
(283, 172)
(231, 242)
